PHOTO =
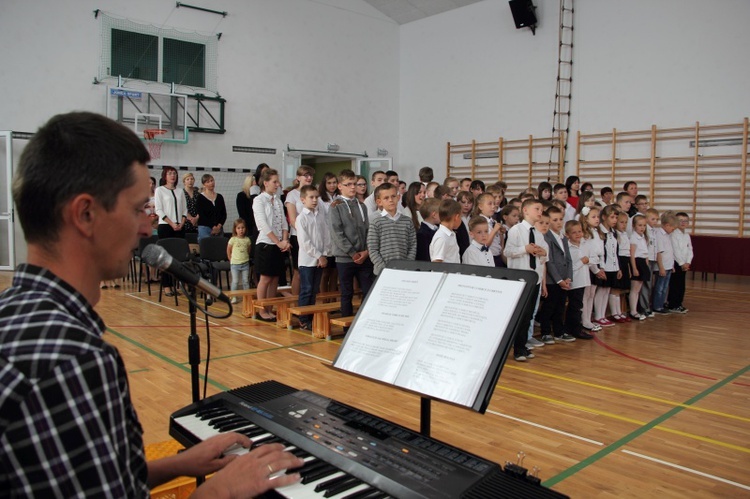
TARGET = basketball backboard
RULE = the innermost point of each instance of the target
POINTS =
(142, 109)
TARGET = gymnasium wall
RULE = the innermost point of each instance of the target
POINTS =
(469, 74)
(296, 72)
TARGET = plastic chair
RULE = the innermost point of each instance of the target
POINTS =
(191, 237)
(213, 251)
(179, 249)
(137, 261)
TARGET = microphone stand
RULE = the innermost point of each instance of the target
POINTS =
(194, 346)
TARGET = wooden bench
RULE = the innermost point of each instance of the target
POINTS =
(249, 296)
(342, 321)
(282, 304)
(321, 312)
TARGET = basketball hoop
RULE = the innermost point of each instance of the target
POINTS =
(154, 141)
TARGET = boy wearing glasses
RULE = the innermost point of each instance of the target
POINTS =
(349, 224)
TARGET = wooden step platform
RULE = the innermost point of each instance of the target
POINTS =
(250, 295)
(282, 304)
(321, 312)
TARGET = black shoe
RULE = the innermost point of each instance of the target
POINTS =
(305, 326)
(583, 335)
(661, 311)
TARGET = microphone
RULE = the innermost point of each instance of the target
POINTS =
(158, 257)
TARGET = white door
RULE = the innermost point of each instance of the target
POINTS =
(7, 247)
(290, 161)
(365, 166)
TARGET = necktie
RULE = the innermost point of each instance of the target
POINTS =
(532, 258)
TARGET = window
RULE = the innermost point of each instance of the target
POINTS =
(163, 55)
(184, 63)
(135, 55)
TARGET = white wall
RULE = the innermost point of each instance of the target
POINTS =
(469, 74)
(293, 71)
(296, 72)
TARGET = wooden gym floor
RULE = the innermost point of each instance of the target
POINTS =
(654, 409)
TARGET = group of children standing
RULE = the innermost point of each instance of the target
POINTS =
(585, 256)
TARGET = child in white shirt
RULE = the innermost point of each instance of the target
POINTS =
(314, 238)
(664, 260)
(639, 263)
(581, 280)
(592, 248)
(444, 247)
(683, 257)
(478, 252)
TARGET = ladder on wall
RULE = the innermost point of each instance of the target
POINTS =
(561, 117)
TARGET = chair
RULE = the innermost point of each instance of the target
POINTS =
(213, 251)
(138, 261)
(191, 237)
(179, 249)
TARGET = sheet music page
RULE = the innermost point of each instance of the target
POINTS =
(459, 338)
(385, 328)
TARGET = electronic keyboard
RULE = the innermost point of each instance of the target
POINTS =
(348, 453)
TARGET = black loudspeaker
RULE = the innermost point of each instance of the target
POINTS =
(523, 13)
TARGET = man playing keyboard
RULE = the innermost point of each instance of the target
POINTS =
(67, 424)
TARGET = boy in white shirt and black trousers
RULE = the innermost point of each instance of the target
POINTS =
(314, 240)
(522, 253)
(682, 246)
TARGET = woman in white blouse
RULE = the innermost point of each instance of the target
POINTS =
(169, 202)
(273, 238)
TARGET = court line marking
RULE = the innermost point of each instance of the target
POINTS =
(630, 394)
(640, 431)
(163, 358)
(553, 430)
(232, 329)
(636, 422)
(255, 352)
(689, 470)
(601, 343)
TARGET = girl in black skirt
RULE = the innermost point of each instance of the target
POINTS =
(639, 264)
(273, 238)
(623, 258)
(608, 263)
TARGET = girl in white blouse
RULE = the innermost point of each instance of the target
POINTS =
(273, 238)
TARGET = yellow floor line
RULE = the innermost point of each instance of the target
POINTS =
(627, 420)
(631, 394)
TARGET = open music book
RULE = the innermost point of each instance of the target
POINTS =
(431, 332)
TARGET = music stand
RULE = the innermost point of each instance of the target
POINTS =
(521, 286)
